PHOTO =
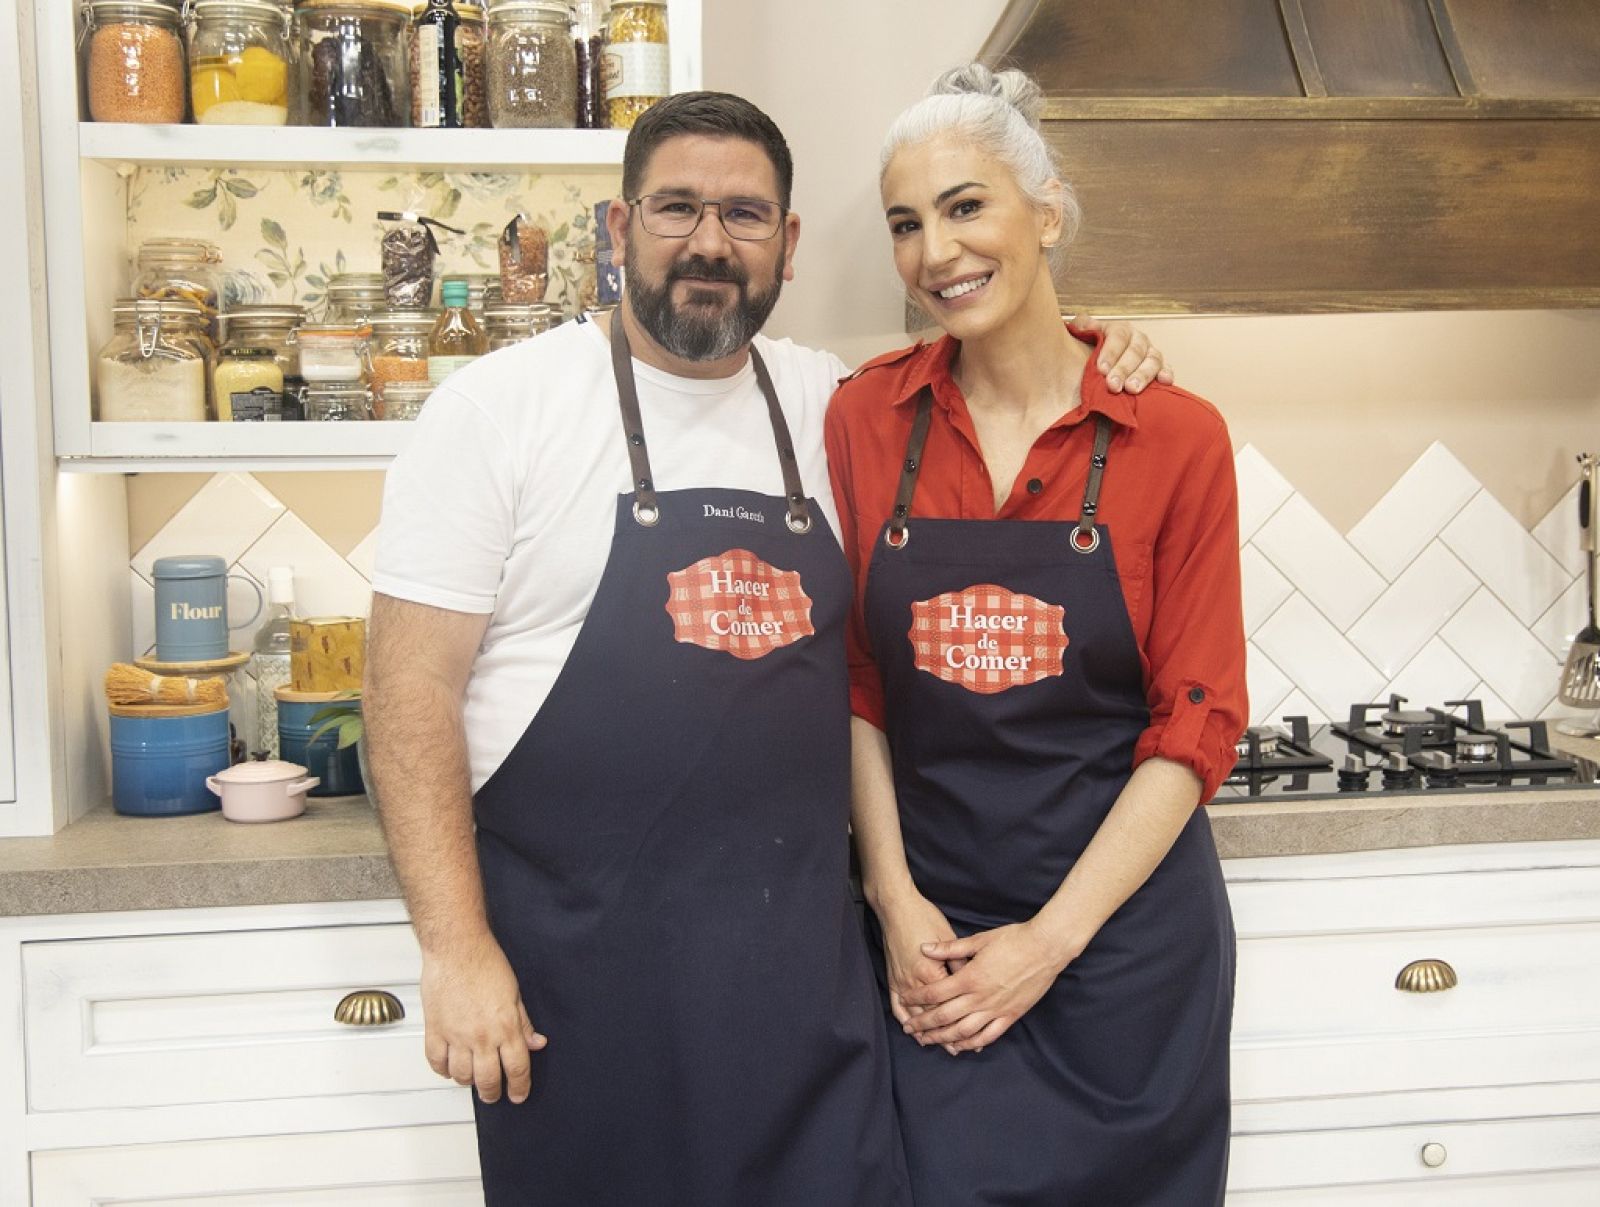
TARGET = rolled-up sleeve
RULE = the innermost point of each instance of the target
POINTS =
(866, 681)
(1196, 648)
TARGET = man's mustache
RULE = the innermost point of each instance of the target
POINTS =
(698, 268)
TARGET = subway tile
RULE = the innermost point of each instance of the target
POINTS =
(1321, 564)
(225, 517)
(1414, 511)
(1266, 684)
(1264, 588)
(1317, 657)
(1560, 534)
(1561, 623)
(1262, 490)
(1513, 663)
(1413, 607)
(1298, 704)
(1437, 674)
(324, 583)
(1510, 562)
(1495, 710)
(364, 557)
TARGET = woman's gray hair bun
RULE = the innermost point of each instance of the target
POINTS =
(999, 112)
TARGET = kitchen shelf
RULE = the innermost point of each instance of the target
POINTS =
(352, 149)
(144, 447)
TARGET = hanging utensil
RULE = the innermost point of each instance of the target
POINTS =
(1580, 678)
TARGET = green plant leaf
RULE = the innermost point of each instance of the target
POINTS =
(560, 233)
(272, 232)
(240, 187)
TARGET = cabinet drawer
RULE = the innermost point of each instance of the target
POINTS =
(1545, 1161)
(201, 1018)
(1319, 1015)
(400, 1167)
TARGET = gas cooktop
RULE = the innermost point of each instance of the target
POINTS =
(1390, 749)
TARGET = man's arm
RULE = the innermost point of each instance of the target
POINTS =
(418, 661)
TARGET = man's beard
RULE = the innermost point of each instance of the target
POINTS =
(699, 332)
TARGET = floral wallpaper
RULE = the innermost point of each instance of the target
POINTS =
(283, 233)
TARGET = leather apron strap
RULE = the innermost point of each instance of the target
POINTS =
(1085, 537)
(646, 509)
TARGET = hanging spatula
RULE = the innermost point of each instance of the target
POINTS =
(1580, 678)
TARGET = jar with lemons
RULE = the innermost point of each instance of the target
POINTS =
(239, 62)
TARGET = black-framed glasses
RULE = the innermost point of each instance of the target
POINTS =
(674, 216)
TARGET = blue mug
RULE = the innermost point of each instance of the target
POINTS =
(192, 607)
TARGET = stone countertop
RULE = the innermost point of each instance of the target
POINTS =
(335, 851)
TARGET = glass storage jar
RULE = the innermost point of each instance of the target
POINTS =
(183, 270)
(533, 65)
(507, 323)
(247, 385)
(273, 327)
(238, 62)
(354, 296)
(406, 398)
(156, 366)
(333, 352)
(132, 61)
(638, 61)
(337, 401)
(354, 62)
(399, 351)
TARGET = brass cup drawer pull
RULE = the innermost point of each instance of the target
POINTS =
(1426, 976)
(369, 1008)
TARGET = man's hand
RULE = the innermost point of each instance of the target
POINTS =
(475, 1022)
(1127, 357)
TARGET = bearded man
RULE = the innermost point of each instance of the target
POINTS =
(608, 719)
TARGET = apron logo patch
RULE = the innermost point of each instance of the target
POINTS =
(987, 638)
(738, 603)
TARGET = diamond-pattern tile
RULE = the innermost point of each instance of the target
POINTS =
(1560, 533)
(1262, 490)
(1406, 615)
(1317, 657)
(1414, 511)
(1512, 661)
(1510, 562)
(1266, 684)
(1321, 564)
(225, 516)
(1264, 588)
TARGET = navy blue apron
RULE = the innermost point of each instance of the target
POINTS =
(664, 856)
(1015, 698)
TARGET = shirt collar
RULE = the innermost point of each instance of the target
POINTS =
(931, 367)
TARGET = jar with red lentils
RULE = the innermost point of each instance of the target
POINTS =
(399, 350)
(132, 61)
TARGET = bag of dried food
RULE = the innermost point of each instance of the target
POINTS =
(524, 261)
(408, 251)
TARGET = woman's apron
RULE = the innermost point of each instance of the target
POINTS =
(1015, 698)
(664, 855)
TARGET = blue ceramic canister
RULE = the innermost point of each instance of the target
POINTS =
(192, 607)
(339, 770)
(161, 755)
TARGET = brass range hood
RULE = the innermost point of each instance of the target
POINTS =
(1296, 156)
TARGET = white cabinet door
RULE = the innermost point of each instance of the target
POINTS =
(397, 1167)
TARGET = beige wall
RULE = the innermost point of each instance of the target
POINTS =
(1342, 404)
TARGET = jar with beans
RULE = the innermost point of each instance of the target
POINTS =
(132, 61)
(399, 351)
(533, 65)
(239, 62)
(638, 63)
(354, 67)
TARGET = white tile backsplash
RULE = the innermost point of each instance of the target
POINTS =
(1262, 490)
(1263, 587)
(364, 557)
(1560, 533)
(1298, 704)
(1435, 675)
(1414, 511)
(1566, 617)
(225, 517)
(1321, 564)
(1317, 657)
(1511, 660)
(1266, 684)
(325, 584)
(1505, 556)
(1410, 611)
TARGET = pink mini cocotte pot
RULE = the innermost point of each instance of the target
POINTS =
(266, 791)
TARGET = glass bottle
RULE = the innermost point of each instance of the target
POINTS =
(239, 62)
(588, 38)
(638, 64)
(457, 339)
(438, 81)
(269, 660)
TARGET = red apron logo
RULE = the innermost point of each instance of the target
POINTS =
(987, 639)
(738, 603)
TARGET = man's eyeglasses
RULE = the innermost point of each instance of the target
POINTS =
(674, 216)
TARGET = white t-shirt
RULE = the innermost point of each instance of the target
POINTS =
(505, 498)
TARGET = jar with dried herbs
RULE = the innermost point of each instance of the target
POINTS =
(354, 62)
(239, 62)
(132, 61)
(533, 65)
(638, 62)
(155, 366)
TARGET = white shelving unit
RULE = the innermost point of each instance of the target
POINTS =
(86, 168)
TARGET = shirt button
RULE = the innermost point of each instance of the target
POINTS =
(1034, 486)
(1197, 695)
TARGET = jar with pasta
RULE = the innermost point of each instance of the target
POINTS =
(637, 67)
(154, 369)
(399, 351)
(132, 61)
(533, 65)
(185, 270)
(239, 62)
